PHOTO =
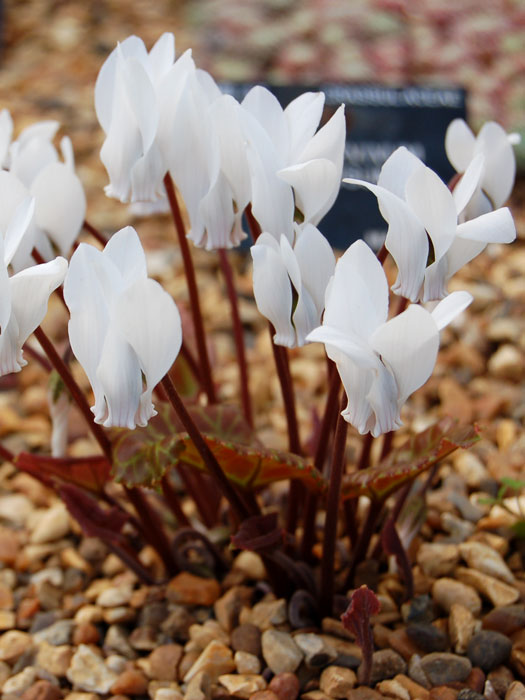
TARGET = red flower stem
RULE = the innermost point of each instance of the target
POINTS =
(332, 512)
(211, 463)
(75, 391)
(7, 455)
(366, 447)
(312, 500)
(238, 336)
(97, 235)
(192, 363)
(40, 261)
(361, 546)
(382, 254)
(386, 447)
(196, 488)
(253, 224)
(152, 528)
(193, 292)
(42, 361)
(171, 498)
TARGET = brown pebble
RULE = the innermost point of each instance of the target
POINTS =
(364, 693)
(85, 633)
(476, 680)
(416, 691)
(6, 597)
(130, 682)
(193, 590)
(285, 686)
(247, 637)
(27, 609)
(516, 691)
(42, 690)
(441, 692)
(187, 661)
(9, 546)
(264, 695)
(163, 662)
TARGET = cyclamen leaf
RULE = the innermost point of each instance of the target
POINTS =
(393, 546)
(419, 453)
(88, 473)
(363, 604)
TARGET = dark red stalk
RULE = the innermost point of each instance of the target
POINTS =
(192, 363)
(193, 292)
(152, 528)
(366, 447)
(386, 447)
(332, 513)
(253, 224)
(212, 466)
(382, 254)
(42, 361)
(75, 391)
(323, 439)
(97, 235)
(361, 546)
(196, 488)
(238, 336)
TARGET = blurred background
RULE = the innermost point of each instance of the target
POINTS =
(52, 51)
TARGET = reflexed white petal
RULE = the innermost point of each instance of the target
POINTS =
(329, 141)
(170, 91)
(459, 144)
(305, 316)
(383, 400)
(66, 148)
(431, 201)
(350, 344)
(141, 98)
(216, 211)
(147, 176)
(60, 206)
(208, 85)
(30, 291)
(406, 240)
(436, 276)
(495, 227)
(348, 307)
(461, 252)
(273, 291)
(303, 116)
(119, 375)
(161, 57)
(11, 358)
(125, 251)
(357, 384)
(6, 134)
(468, 183)
(30, 159)
(408, 345)
(316, 185)
(148, 318)
(450, 307)
(396, 170)
(17, 228)
(40, 131)
(500, 163)
(5, 292)
(265, 107)
(316, 261)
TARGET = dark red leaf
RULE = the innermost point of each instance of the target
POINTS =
(363, 604)
(394, 547)
(89, 473)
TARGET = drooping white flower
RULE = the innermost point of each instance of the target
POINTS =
(125, 330)
(289, 284)
(291, 165)
(499, 165)
(424, 237)
(127, 94)
(381, 362)
(24, 296)
(34, 169)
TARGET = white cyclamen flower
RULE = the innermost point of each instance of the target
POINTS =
(499, 166)
(380, 362)
(291, 165)
(289, 284)
(35, 168)
(424, 237)
(125, 330)
(24, 296)
(127, 94)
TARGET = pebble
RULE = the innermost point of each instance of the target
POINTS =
(442, 668)
(489, 649)
(202, 635)
(461, 626)
(117, 640)
(189, 589)
(427, 637)
(416, 673)
(247, 638)
(496, 591)
(51, 525)
(246, 663)
(145, 638)
(42, 690)
(242, 686)
(317, 652)
(250, 564)
(228, 607)
(13, 644)
(516, 691)
(167, 694)
(483, 558)
(88, 613)
(416, 691)
(164, 661)
(266, 614)
(55, 659)
(501, 678)
(437, 559)
(337, 681)
(114, 597)
(216, 660)
(420, 609)
(85, 633)
(459, 530)
(7, 620)
(20, 682)
(447, 591)
(506, 363)
(386, 663)
(130, 682)
(89, 672)
(57, 634)
(506, 619)
(394, 689)
(265, 695)
(199, 687)
(280, 651)
(469, 694)
(178, 623)
(285, 685)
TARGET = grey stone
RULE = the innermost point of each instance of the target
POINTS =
(442, 668)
